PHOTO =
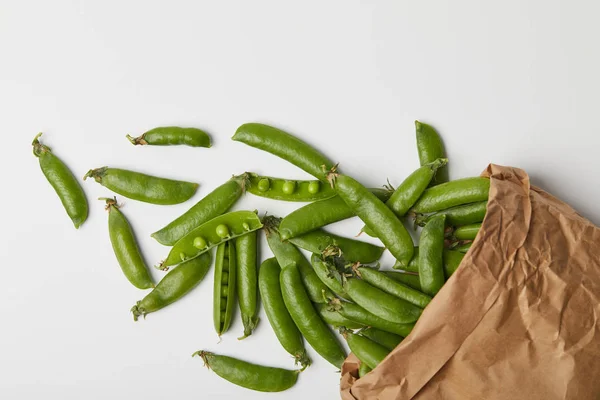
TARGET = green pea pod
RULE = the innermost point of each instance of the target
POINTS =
(126, 248)
(63, 181)
(379, 280)
(388, 228)
(173, 286)
(224, 286)
(431, 263)
(388, 340)
(452, 194)
(336, 319)
(212, 205)
(430, 148)
(358, 314)
(210, 234)
(411, 280)
(467, 232)
(288, 190)
(353, 250)
(284, 145)
(363, 369)
(248, 375)
(462, 248)
(366, 350)
(280, 319)
(323, 272)
(459, 215)
(172, 135)
(142, 187)
(451, 258)
(313, 328)
(286, 253)
(247, 277)
(380, 303)
(320, 213)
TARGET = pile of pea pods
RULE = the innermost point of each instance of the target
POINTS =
(340, 287)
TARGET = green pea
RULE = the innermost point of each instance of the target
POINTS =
(289, 187)
(365, 349)
(200, 242)
(182, 256)
(452, 194)
(172, 135)
(126, 248)
(173, 286)
(224, 292)
(224, 277)
(222, 231)
(430, 148)
(247, 279)
(314, 187)
(250, 376)
(142, 187)
(358, 314)
(286, 189)
(431, 263)
(246, 226)
(223, 306)
(264, 184)
(63, 181)
(379, 280)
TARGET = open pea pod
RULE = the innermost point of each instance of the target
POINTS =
(288, 189)
(210, 234)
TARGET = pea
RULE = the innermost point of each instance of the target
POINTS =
(172, 135)
(314, 187)
(182, 256)
(452, 194)
(223, 306)
(222, 231)
(173, 286)
(365, 349)
(354, 250)
(358, 314)
(286, 189)
(467, 232)
(430, 148)
(431, 264)
(142, 187)
(289, 187)
(200, 242)
(263, 184)
(63, 182)
(224, 277)
(388, 340)
(212, 205)
(126, 248)
(246, 226)
(224, 292)
(247, 280)
(379, 280)
(247, 375)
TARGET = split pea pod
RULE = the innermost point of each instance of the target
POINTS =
(287, 189)
(409, 279)
(430, 148)
(313, 328)
(142, 187)
(381, 281)
(365, 349)
(382, 221)
(451, 259)
(452, 194)
(356, 313)
(247, 278)
(353, 250)
(248, 375)
(126, 248)
(386, 339)
(279, 317)
(431, 263)
(466, 232)
(325, 274)
(320, 213)
(459, 215)
(212, 205)
(284, 145)
(336, 319)
(286, 253)
(210, 234)
(63, 181)
(224, 286)
(363, 369)
(172, 135)
(173, 286)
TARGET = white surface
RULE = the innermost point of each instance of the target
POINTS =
(512, 82)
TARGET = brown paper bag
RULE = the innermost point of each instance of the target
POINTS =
(520, 318)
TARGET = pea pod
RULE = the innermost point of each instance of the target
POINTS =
(212, 205)
(459, 215)
(358, 314)
(354, 250)
(431, 263)
(451, 258)
(247, 278)
(172, 135)
(248, 375)
(284, 327)
(63, 181)
(210, 234)
(430, 148)
(366, 350)
(173, 286)
(324, 273)
(288, 190)
(286, 253)
(336, 319)
(411, 280)
(313, 328)
(142, 187)
(379, 280)
(462, 247)
(320, 213)
(224, 286)
(363, 369)
(386, 339)
(126, 248)
(284, 145)
(467, 232)
(452, 194)
(376, 215)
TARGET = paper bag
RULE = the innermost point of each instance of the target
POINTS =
(519, 319)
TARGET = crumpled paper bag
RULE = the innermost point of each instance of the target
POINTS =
(519, 319)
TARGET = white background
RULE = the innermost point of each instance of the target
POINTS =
(511, 82)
